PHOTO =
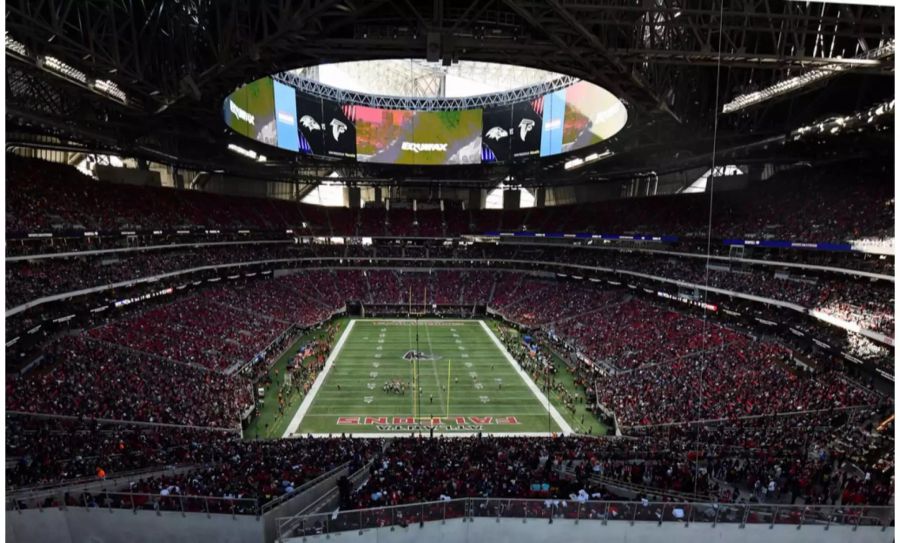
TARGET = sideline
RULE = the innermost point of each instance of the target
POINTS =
(554, 414)
(320, 380)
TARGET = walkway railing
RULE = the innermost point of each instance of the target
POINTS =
(662, 513)
(63, 497)
(136, 501)
(272, 504)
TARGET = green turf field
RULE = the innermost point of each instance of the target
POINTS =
(484, 392)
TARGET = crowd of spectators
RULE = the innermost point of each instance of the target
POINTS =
(44, 450)
(195, 330)
(293, 299)
(238, 476)
(742, 378)
(32, 279)
(864, 302)
(780, 459)
(835, 204)
(542, 302)
(868, 303)
(414, 470)
(813, 455)
(259, 471)
(83, 377)
(580, 468)
(633, 333)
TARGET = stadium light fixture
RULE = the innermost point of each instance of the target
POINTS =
(15, 46)
(249, 153)
(60, 67)
(787, 86)
(109, 88)
(593, 157)
(849, 123)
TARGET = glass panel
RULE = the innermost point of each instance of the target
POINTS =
(729, 513)
(702, 512)
(455, 509)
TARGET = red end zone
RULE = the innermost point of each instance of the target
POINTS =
(450, 424)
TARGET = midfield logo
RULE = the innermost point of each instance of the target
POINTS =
(419, 355)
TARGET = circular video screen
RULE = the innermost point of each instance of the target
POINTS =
(288, 116)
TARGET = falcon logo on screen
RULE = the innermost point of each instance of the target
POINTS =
(525, 126)
(337, 128)
(310, 123)
(496, 133)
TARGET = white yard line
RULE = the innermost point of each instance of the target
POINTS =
(437, 378)
(557, 418)
(376, 320)
(317, 384)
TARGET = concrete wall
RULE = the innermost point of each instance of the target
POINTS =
(299, 503)
(113, 483)
(128, 176)
(98, 525)
(77, 525)
(574, 194)
(568, 531)
(235, 186)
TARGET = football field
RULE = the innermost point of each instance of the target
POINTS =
(467, 384)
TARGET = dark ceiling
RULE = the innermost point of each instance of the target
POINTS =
(177, 59)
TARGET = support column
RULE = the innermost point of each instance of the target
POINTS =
(540, 197)
(352, 197)
(512, 198)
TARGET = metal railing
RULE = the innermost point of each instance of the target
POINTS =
(63, 497)
(73, 485)
(662, 513)
(136, 501)
(272, 504)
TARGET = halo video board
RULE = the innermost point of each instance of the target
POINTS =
(561, 121)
